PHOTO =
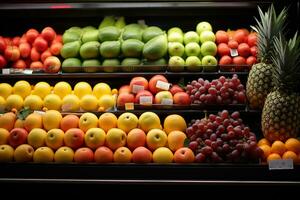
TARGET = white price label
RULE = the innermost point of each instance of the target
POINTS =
(234, 52)
(5, 71)
(162, 85)
(281, 164)
(166, 101)
(129, 106)
(66, 107)
(39, 112)
(146, 100)
(27, 71)
(137, 88)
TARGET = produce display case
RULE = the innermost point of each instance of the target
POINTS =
(222, 14)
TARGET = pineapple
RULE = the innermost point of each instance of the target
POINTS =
(259, 82)
(281, 112)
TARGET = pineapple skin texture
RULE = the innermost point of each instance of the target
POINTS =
(281, 116)
(259, 85)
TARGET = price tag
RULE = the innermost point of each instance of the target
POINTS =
(281, 164)
(66, 107)
(5, 71)
(146, 100)
(234, 52)
(137, 88)
(162, 85)
(27, 71)
(129, 106)
(39, 112)
(166, 101)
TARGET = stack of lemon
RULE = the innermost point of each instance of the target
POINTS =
(59, 97)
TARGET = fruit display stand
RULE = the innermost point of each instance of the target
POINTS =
(164, 14)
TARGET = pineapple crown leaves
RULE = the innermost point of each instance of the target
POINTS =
(267, 28)
(286, 61)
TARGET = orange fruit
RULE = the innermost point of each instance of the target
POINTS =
(174, 123)
(278, 147)
(293, 144)
(273, 156)
(263, 141)
(68, 122)
(266, 149)
(290, 155)
(122, 155)
(32, 121)
(107, 121)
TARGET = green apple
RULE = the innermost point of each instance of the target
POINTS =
(175, 49)
(176, 63)
(175, 37)
(203, 26)
(208, 48)
(207, 36)
(193, 63)
(192, 49)
(94, 138)
(190, 36)
(175, 30)
(209, 63)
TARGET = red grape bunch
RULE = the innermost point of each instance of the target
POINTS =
(219, 91)
(222, 138)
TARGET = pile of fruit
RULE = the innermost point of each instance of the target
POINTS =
(51, 137)
(217, 92)
(290, 149)
(155, 91)
(60, 97)
(34, 50)
(222, 138)
(237, 48)
(113, 44)
(193, 50)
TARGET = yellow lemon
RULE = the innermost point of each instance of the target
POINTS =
(52, 102)
(22, 88)
(33, 102)
(5, 90)
(14, 101)
(89, 103)
(82, 88)
(101, 89)
(42, 89)
(70, 103)
(62, 89)
(106, 102)
(51, 119)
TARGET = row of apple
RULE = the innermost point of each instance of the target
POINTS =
(107, 139)
(34, 50)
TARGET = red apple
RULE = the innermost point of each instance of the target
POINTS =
(74, 138)
(176, 88)
(182, 98)
(243, 50)
(223, 49)
(163, 97)
(17, 136)
(55, 48)
(252, 39)
(25, 49)
(137, 84)
(16, 41)
(3, 45)
(3, 62)
(253, 51)
(84, 155)
(48, 34)
(142, 94)
(141, 155)
(34, 54)
(124, 89)
(40, 44)
(12, 53)
(58, 38)
(19, 64)
(31, 35)
(184, 155)
(125, 98)
(153, 82)
(45, 55)
(36, 65)
(52, 64)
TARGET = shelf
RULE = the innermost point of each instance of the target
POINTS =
(152, 173)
